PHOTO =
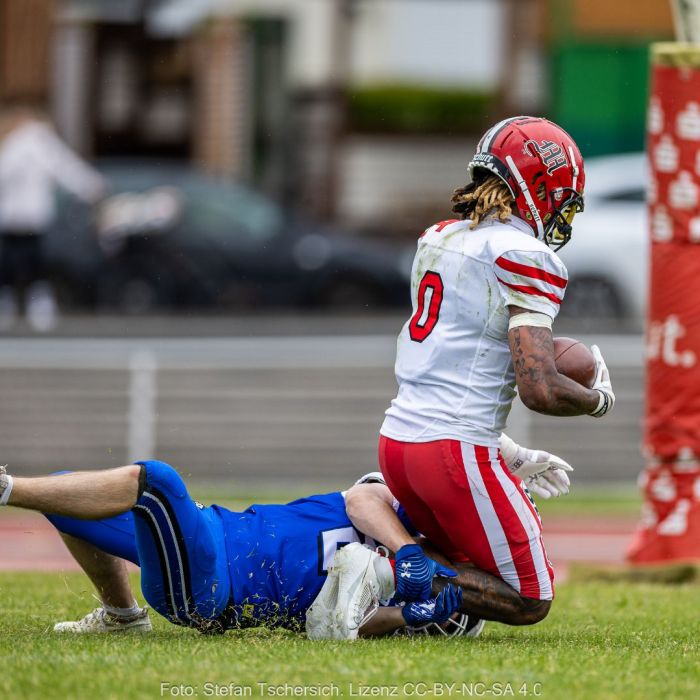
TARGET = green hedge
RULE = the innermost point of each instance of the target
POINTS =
(418, 110)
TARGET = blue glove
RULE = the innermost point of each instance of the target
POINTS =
(415, 572)
(438, 609)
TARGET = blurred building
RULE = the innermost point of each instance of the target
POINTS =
(26, 28)
(362, 110)
(599, 58)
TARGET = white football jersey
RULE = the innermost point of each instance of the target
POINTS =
(453, 363)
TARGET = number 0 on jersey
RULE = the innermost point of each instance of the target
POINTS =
(430, 293)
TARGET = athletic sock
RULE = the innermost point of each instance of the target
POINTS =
(122, 613)
(5, 488)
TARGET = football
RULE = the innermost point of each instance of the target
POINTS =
(575, 360)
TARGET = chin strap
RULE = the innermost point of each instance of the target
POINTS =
(528, 197)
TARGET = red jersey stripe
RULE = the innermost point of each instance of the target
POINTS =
(530, 271)
(531, 290)
(445, 224)
(512, 527)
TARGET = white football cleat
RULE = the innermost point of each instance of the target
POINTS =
(319, 616)
(357, 580)
(100, 621)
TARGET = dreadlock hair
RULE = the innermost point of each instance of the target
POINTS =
(484, 197)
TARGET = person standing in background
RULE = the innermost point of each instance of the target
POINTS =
(33, 162)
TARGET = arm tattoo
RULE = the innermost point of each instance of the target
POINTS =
(532, 350)
(486, 595)
(529, 365)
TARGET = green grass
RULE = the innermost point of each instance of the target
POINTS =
(592, 501)
(601, 640)
(616, 500)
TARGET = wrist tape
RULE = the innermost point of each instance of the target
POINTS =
(603, 404)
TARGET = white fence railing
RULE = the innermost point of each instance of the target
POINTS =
(269, 409)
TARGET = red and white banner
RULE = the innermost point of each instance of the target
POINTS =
(670, 526)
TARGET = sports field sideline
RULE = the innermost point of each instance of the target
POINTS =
(589, 526)
(30, 543)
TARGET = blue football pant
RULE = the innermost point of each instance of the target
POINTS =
(178, 545)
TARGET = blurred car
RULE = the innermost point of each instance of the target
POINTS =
(169, 236)
(607, 257)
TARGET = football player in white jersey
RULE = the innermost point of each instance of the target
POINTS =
(485, 290)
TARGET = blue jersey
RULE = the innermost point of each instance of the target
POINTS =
(266, 564)
(279, 555)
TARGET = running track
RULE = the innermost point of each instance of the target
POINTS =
(29, 543)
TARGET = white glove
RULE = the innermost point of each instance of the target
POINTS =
(602, 385)
(544, 474)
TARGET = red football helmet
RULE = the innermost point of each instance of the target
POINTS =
(543, 168)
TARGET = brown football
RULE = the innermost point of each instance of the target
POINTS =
(575, 360)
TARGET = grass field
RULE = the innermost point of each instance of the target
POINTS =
(588, 501)
(623, 500)
(600, 641)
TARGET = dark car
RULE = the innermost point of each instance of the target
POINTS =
(169, 236)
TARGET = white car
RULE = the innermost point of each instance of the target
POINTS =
(608, 255)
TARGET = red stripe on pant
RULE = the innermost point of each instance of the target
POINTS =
(464, 509)
(535, 514)
(519, 486)
(510, 522)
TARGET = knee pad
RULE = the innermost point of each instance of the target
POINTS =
(142, 481)
(161, 476)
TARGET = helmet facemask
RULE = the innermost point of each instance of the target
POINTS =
(460, 624)
(566, 203)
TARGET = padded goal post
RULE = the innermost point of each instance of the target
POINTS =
(669, 530)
